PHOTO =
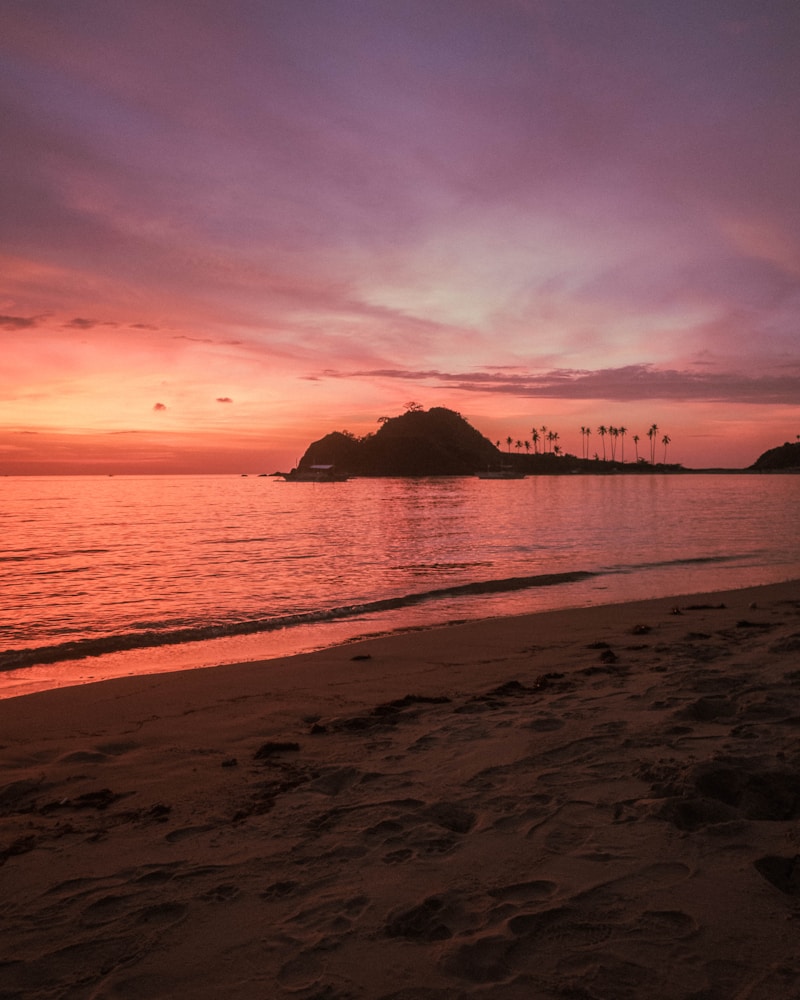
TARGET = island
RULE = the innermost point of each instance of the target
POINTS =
(441, 442)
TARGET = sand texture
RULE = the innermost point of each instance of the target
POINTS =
(594, 805)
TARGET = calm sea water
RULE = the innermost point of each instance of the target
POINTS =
(96, 572)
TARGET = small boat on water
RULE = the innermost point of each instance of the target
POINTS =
(504, 472)
(313, 474)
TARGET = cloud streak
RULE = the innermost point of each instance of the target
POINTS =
(626, 384)
(17, 322)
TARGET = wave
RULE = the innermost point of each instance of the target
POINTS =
(98, 646)
(31, 555)
(688, 561)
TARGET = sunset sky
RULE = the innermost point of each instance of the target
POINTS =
(228, 228)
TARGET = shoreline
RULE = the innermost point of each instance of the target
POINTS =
(586, 590)
(600, 799)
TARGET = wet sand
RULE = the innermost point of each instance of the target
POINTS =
(595, 803)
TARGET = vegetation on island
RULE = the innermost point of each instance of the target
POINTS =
(785, 458)
(440, 442)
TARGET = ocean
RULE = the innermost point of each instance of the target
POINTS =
(110, 576)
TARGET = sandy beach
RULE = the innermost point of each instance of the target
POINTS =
(591, 804)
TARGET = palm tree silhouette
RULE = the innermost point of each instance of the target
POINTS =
(636, 446)
(653, 435)
(535, 439)
(602, 430)
(665, 441)
(614, 434)
(622, 432)
(509, 442)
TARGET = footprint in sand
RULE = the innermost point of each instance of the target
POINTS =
(187, 831)
(162, 914)
(303, 971)
(649, 878)
(426, 922)
(223, 893)
(783, 873)
(544, 724)
(482, 960)
(336, 780)
(105, 910)
(525, 892)
(83, 757)
(419, 828)
(662, 925)
(116, 749)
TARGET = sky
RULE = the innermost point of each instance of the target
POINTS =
(229, 228)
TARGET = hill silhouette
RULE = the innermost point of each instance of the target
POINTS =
(780, 459)
(435, 442)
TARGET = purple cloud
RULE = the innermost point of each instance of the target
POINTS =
(628, 383)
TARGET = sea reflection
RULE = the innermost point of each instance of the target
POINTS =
(99, 560)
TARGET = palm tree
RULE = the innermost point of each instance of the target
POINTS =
(602, 430)
(527, 447)
(543, 429)
(622, 432)
(636, 446)
(518, 446)
(665, 441)
(509, 442)
(614, 434)
(535, 439)
(585, 432)
(653, 435)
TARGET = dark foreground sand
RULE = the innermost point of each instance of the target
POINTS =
(600, 803)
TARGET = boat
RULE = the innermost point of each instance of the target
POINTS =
(504, 472)
(313, 474)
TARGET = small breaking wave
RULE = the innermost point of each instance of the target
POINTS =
(732, 558)
(100, 645)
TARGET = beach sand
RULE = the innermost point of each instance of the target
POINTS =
(595, 803)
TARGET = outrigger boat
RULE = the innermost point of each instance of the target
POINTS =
(314, 474)
(504, 472)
